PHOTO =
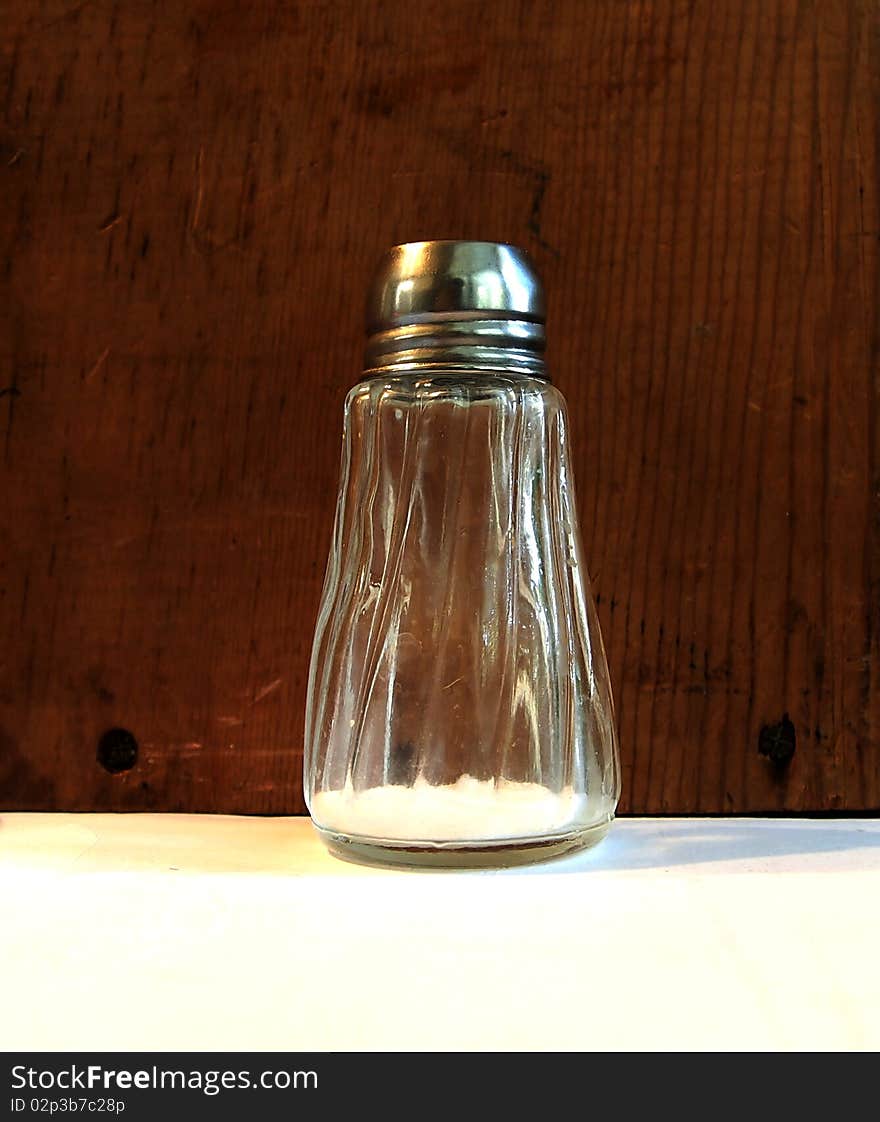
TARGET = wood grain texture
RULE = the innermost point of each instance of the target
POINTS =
(193, 197)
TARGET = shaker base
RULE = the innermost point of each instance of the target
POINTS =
(455, 855)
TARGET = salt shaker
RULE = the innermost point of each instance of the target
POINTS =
(459, 710)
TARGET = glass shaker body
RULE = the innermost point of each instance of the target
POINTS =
(459, 709)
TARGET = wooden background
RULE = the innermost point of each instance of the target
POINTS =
(193, 197)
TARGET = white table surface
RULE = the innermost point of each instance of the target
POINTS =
(177, 932)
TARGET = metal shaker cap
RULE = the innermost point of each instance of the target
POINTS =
(456, 306)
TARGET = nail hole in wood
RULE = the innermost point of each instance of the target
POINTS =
(117, 751)
(778, 741)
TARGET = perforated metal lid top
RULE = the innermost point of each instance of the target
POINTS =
(470, 305)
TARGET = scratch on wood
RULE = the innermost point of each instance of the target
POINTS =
(535, 213)
(102, 358)
(493, 117)
(12, 392)
(266, 690)
(71, 13)
(199, 190)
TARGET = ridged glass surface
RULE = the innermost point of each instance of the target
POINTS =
(458, 690)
